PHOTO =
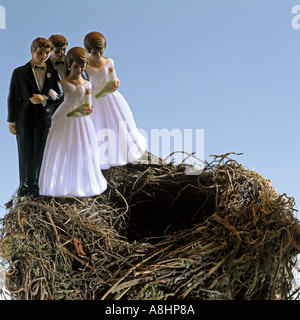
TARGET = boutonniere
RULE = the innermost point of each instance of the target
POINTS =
(48, 75)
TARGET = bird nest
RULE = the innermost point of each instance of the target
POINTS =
(156, 233)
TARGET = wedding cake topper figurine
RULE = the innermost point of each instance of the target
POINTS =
(58, 56)
(34, 94)
(71, 164)
(69, 123)
(120, 142)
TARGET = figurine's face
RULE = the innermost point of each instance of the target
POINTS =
(96, 55)
(58, 53)
(76, 68)
(40, 55)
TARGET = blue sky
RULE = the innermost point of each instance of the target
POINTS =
(228, 67)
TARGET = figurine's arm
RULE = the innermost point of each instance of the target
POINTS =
(112, 84)
(88, 96)
(53, 99)
(13, 102)
(111, 71)
(13, 97)
(55, 96)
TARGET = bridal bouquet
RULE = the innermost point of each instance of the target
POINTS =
(111, 86)
(81, 111)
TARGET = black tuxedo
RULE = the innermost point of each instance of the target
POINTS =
(32, 121)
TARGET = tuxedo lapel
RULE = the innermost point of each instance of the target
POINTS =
(48, 78)
(29, 74)
(46, 81)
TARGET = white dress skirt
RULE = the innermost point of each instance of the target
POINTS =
(119, 140)
(71, 164)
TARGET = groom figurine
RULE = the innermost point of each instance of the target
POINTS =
(35, 92)
(58, 56)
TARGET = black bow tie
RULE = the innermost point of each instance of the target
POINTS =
(59, 62)
(37, 67)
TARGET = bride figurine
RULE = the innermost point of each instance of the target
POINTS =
(120, 142)
(71, 163)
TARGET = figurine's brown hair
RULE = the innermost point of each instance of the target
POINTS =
(77, 54)
(58, 40)
(40, 43)
(94, 41)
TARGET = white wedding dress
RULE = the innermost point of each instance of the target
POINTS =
(119, 140)
(71, 164)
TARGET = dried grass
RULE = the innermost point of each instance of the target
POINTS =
(156, 233)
